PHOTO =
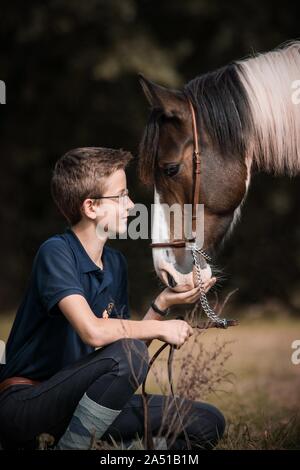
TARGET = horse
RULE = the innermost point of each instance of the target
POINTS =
(247, 115)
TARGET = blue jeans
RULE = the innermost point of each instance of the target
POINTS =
(110, 376)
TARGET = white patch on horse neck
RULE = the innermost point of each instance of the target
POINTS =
(237, 211)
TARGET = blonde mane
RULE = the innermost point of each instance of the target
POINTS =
(272, 84)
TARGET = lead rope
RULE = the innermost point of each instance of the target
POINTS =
(221, 322)
(148, 438)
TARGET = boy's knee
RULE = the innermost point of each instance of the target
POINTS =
(209, 426)
(215, 424)
(218, 422)
(135, 361)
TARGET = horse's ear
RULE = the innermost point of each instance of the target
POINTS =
(170, 101)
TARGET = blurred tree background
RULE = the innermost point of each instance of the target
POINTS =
(70, 70)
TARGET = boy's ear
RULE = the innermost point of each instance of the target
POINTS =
(88, 209)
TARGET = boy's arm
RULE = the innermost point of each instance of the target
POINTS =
(98, 332)
(152, 315)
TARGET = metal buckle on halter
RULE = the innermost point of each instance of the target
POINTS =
(190, 243)
(197, 161)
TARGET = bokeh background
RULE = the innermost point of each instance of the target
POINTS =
(71, 74)
(70, 70)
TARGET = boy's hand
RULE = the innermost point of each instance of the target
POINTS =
(168, 297)
(175, 332)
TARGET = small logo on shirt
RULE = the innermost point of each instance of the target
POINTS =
(106, 313)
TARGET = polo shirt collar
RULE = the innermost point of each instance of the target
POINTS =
(86, 264)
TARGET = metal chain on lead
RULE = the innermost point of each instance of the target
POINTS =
(222, 322)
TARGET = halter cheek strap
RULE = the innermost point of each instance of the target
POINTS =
(197, 167)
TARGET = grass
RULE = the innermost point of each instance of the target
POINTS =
(261, 402)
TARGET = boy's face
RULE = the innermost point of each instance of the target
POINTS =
(112, 210)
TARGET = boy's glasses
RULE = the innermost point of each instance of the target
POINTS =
(121, 197)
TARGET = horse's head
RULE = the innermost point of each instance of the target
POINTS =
(166, 160)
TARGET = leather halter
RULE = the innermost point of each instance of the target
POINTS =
(196, 187)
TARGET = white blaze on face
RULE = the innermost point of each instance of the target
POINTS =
(164, 258)
(160, 232)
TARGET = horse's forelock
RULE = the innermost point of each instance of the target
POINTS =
(148, 148)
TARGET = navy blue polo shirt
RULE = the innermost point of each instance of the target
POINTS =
(42, 341)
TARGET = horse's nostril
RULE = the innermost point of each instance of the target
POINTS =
(171, 280)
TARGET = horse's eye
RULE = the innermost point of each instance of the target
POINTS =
(171, 170)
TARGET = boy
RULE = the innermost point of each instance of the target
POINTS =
(54, 380)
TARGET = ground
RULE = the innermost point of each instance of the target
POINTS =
(261, 402)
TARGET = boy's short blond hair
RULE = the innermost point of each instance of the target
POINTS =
(81, 173)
